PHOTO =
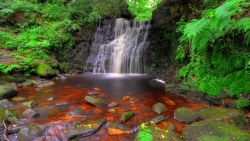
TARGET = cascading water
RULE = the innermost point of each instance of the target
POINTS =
(125, 53)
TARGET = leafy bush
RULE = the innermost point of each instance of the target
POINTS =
(217, 48)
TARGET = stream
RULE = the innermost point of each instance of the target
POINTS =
(133, 92)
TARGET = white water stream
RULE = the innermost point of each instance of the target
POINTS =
(125, 53)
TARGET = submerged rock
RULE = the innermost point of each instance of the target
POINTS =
(5, 103)
(117, 128)
(8, 90)
(159, 108)
(213, 130)
(77, 112)
(85, 128)
(185, 115)
(126, 116)
(95, 101)
(113, 104)
(93, 93)
(29, 133)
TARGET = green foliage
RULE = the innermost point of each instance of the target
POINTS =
(144, 134)
(242, 102)
(217, 48)
(142, 9)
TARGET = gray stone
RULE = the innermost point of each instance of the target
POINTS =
(85, 128)
(5, 103)
(29, 113)
(77, 112)
(29, 133)
(8, 90)
(213, 130)
(43, 83)
(95, 101)
(159, 108)
(185, 115)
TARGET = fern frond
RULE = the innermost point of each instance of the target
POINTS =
(247, 37)
(195, 27)
(242, 24)
(228, 8)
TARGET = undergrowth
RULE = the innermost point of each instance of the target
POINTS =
(215, 49)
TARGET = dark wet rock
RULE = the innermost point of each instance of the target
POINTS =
(30, 113)
(157, 83)
(2, 115)
(43, 83)
(159, 108)
(62, 103)
(185, 115)
(171, 127)
(213, 130)
(113, 104)
(12, 116)
(85, 128)
(27, 83)
(5, 103)
(30, 104)
(158, 119)
(29, 133)
(117, 128)
(14, 128)
(44, 70)
(126, 116)
(227, 115)
(95, 101)
(8, 90)
(153, 133)
(93, 93)
(18, 98)
(77, 112)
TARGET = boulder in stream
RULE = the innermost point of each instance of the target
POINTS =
(5, 103)
(159, 108)
(95, 101)
(77, 112)
(117, 128)
(8, 90)
(29, 133)
(44, 70)
(126, 116)
(214, 130)
(85, 128)
(185, 115)
(42, 83)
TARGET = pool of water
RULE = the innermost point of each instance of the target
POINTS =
(67, 94)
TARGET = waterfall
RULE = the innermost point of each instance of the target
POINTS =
(125, 53)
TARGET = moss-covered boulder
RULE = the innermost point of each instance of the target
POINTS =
(185, 115)
(12, 116)
(227, 115)
(126, 116)
(159, 108)
(29, 133)
(8, 90)
(45, 70)
(213, 130)
(95, 101)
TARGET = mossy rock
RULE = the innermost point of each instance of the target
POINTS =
(95, 101)
(126, 116)
(30, 104)
(185, 115)
(8, 90)
(2, 115)
(45, 70)
(12, 116)
(159, 108)
(211, 129)
(20, 78)
(8, 78)
(227, 115)
(29, 133)
(64, 67)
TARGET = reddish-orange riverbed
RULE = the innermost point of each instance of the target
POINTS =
(137, 93)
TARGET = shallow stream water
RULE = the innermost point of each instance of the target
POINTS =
(137, 93)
